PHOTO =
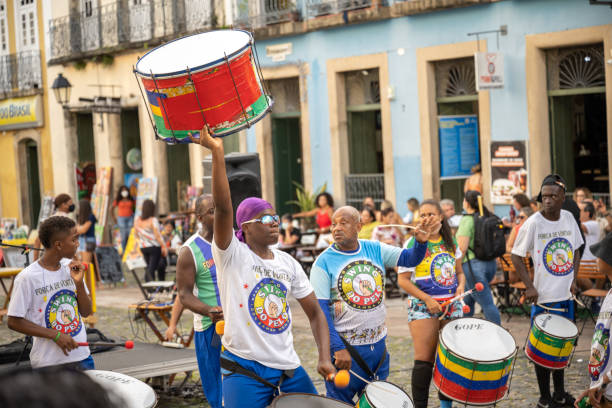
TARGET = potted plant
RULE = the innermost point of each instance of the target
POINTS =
(306, 202)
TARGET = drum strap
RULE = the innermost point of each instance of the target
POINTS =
(360, 361)
(236, 368)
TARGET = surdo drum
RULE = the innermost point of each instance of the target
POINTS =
(474, 361)
(211, 78)
(383, 394)
(551, 341)
(131, 392)
(299, 400)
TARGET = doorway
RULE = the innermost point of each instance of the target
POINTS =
(30, 181)
(86, 164)
(131, 150)
(179, 174)
(287, 145)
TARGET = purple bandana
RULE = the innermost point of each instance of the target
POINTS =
(247, 210)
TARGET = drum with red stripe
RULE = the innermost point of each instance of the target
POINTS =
(474, 361)
(551, 341)
(210, 78)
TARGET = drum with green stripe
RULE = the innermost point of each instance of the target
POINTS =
(551, 341)
(474, 361)
(383, 394)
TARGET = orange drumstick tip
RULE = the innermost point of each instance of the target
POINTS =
(129, 344)
(342, 378)
(220, 327)
(466, 309)
(479, 286)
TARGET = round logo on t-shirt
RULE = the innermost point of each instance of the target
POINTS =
(360, 284)
(600, 352)
(62, 313)
(268, 306)
(559, 257)
(442, 270)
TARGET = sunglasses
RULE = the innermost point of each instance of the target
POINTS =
(266, 220)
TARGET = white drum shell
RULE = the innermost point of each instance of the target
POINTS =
(478, 340)
(383, 394)
(133, 392)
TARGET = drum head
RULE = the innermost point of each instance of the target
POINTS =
(384, 394)
(195, 51)
(133, 393)
(557, 326)
(477, 339)
(299, 400)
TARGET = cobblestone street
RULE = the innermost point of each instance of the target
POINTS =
(115, 322)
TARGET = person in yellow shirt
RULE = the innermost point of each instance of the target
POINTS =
(368, 219)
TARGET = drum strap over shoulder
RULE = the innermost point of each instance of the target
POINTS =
(360, 361)
(236, 368)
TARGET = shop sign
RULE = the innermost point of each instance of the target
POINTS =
(508, 170)
(279, 52)
(21, 113)
(489, 70)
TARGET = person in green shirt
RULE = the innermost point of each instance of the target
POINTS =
(476, 270)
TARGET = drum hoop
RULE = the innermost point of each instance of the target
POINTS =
(365, 392)
(310, 395)
(535, 322)
(471, 360)
(194, 70)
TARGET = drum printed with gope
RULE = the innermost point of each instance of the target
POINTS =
(474, 361)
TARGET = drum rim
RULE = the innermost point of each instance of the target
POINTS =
(552, 335)
(364, 393)
(499, 360)
(168, 139)
(310, 395)
(212, 64)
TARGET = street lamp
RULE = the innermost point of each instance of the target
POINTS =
(61, 89)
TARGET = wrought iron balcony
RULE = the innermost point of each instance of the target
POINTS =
(359, 186)
(120, 25)
(259, 13)
(20, 73)
(324, 7)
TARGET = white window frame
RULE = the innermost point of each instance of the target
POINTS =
(26, 12)
(5, 44)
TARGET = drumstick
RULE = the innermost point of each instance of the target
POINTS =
(553, 309)
(341, 379)
(128, 344)
(401, 226)
(373, 383)
(220, 327)
(478, 288)
(578, 301)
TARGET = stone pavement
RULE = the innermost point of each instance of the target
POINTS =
(114, 320)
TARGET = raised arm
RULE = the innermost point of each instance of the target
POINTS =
(224, 217)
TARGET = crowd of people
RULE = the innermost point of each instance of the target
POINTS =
(244, 278)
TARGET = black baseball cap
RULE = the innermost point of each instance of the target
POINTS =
(552, 180)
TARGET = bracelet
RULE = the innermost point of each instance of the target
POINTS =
(57, 336)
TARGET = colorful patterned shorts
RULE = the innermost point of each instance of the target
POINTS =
(417, 310)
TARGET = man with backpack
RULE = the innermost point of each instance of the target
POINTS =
(552, 238)
(481, 238)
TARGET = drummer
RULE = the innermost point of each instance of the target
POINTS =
(254, 282)
(437, 278)
(553, 238)
(348, 278)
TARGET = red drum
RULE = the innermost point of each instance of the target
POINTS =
(209, 78)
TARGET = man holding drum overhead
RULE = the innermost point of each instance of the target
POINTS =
(254, 282)
(348, 278)
(553, 238)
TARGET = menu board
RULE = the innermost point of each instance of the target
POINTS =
(508, 170)
(459, 146)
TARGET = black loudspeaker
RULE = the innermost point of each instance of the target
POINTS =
(243, 175)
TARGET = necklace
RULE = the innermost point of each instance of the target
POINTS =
(44, 279)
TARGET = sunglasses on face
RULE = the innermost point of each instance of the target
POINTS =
(266, 219)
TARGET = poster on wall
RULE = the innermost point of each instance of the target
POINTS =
(46, 209)
(100, 199)
(459, 146)
(489, 68)
(508, 170)
(147, 190)
(131, 181)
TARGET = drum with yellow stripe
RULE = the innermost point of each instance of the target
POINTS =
(474, 361)
(551, 341)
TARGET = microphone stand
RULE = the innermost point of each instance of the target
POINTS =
(25, 250)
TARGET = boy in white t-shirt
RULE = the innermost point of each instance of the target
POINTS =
(50, 297)
(255, 282)
(553, 238)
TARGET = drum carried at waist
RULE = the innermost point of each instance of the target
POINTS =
(300, 400)
(551, 341)
(132, 393)
(474, 361)
(383, 394)
(210, 78)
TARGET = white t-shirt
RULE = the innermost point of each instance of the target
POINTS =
(48, 299)
(599, 362)
(591, 236)
(254, 294)
(552, 245)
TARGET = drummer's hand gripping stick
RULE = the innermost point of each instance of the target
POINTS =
(128, 344)
(478, 288)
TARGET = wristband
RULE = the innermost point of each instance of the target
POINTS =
(57, 336)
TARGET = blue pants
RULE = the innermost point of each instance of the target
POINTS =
(125, 226)
(371, 354)
(241, 391)
(88, 363)
(208, 365)
(482, 271)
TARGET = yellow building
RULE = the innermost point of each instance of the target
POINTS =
(25, 146)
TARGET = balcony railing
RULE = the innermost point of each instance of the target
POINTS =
(359, 186)
(20, 73)
(323, 7)
(259, 13)
(121, 24)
